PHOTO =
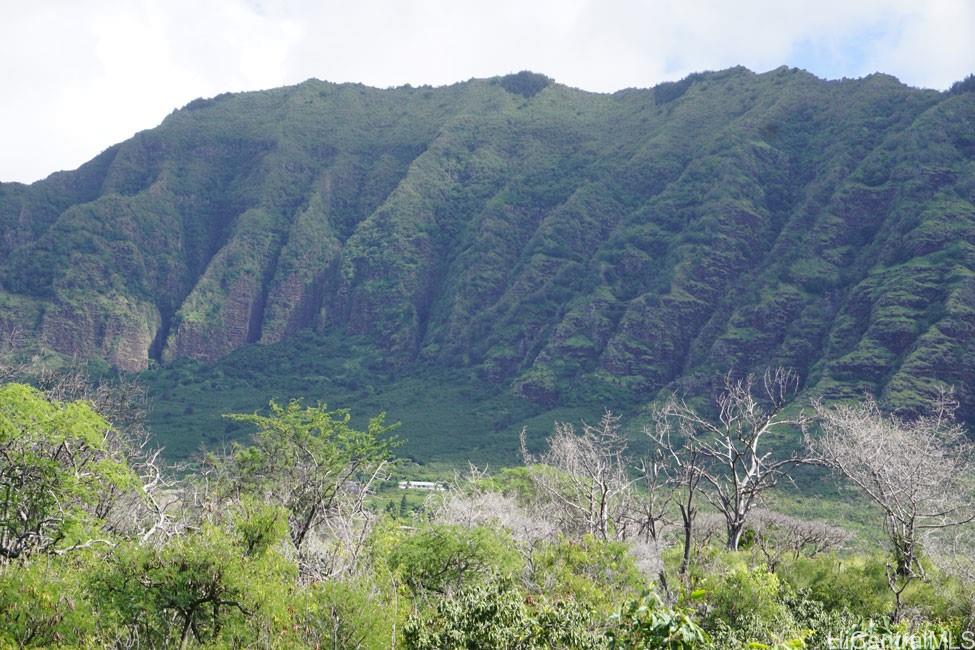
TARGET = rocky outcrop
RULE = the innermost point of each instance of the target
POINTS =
(113, 328)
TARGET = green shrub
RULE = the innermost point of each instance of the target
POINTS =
(43, 605)
(648, 623)
(747, 605)
(201, 585)
(346, 614)
(441, 558)
(856, 584)
(496, 615)
(597, 574)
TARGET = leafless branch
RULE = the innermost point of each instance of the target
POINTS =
(729, 453)
(778, 536)
(585, 477)
(919, 472)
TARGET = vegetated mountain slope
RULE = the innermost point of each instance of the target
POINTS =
(554, 241)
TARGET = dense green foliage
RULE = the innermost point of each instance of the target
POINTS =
(234, 559)
(545, 244)
(446, 414)
(55, 473)
(301, 457)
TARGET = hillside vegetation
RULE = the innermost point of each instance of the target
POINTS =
(527, 240)
(298, 538)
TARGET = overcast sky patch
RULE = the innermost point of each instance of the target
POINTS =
(78, 76)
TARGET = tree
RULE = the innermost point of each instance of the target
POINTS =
(55, 466)
(729, 453)
(587, 571)
(219, 582)
(651, 503)
(355, 614)
(966, 85)
(469, 504)
(152, 509)
(584, 477)
(11, 340)
(525, 83)
(444, 558)
(316, 465)
(778, 535)
(493, 614)
(43, 605)
(678, 458)
(918, 472)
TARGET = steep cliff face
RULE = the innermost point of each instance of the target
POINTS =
(545, 236)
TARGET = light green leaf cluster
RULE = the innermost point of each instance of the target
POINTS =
(54, 468)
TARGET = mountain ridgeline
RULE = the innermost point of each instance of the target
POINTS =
(540, 237)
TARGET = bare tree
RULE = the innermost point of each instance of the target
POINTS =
(335, 547)
(708, 530)
(677, 458)
(11, 341)
(650, 510)
(469, 504)
(152, 509)
(919, 472)
(731, 453)
(778, 536)
(585, 477)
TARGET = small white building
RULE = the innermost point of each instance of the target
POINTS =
(423, 485)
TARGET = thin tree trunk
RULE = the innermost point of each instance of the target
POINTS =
(184, 638)
(686, 559)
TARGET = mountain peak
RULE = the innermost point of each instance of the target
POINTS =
(598, 243)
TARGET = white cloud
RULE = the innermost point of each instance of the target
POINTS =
(933, 46)
(80, 75)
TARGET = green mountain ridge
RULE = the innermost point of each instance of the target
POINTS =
(546, 240)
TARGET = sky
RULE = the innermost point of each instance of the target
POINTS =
(80, 75)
